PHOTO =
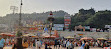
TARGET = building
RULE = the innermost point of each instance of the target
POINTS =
(67, 21)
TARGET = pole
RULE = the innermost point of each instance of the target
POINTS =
(109, 34)
(20, 14)
(18, 38)
(50, 19)
(19, 25)
(50, 34)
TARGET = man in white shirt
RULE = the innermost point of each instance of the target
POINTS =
(38, 44)
(67, 45)
(64, 42)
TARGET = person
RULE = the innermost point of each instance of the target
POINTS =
(12, 41)
(75, 43)
(18, 43)
(67, 45)
(102, 45)
(7, 41)
(59, 43)
(64, 42)
(96, 44)
(31, 43)
(25, 44)
(93, 43)
(2, 42)
(82, 46)
(34, 42)
(86, 45)
(41, 42)
(46, 45)
(55, 45)
(71, 46)
(38, 44)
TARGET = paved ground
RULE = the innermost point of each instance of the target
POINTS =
(9, 47)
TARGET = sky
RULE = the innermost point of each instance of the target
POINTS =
(70, 6)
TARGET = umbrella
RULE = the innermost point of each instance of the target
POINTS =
(3, 34)
(101, 38)
(7, 34)
(69, 37)
(86, 38)
(50, 37)
(46, 35)
(32, 35)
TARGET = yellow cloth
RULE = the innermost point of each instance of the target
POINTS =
(25, 45)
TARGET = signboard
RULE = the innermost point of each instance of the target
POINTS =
(93, 29)
(57, 28)
(58, 25)
(108, 26)
(87, 27)
(67, 24)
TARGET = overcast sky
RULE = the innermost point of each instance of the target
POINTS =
(70, 6)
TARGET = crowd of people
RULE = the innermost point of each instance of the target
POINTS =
(83, 44)
(57, 43)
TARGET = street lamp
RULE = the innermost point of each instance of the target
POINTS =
(20, 14)
(19, 33)
(50, 19)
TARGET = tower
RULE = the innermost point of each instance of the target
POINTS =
(13, 8)
(67, 21)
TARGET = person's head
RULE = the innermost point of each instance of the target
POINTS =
(25, 40)
(84, 41)
(37, 40)
(69, 40)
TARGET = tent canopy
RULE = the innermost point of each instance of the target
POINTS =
(86, 38)
(69, 37)
(46, 35)
(7, 34)
(32, 35)
(101, 38)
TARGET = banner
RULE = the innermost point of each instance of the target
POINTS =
(93, 29)
(108, 26)
(58, 25)
(67, 20)
(87, 27)
(57, 28)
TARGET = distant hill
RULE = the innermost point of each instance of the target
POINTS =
(11, 19)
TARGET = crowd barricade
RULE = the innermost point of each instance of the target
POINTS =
(107, 47)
